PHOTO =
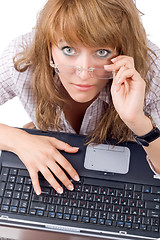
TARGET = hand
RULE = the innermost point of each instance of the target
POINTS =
(127, 90)
(40, 154)
(29, 125)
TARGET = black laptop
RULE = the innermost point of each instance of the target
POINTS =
(117, 197)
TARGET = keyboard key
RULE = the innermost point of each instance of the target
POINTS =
(137, 188)
(151, 197)
(59, 215)
(40, 213)
(52, 214)
(8, 194)
(15, 202)
(85, 219)
(13, 171)
(13, 209)
(146, 220)
(101, 221)
(18, 187)
(22, 210)
(74, 217)
(129, 186)
(4, 174)
(77, 211)
(23, 172)
(37, 198)
(146, 189)
(59, 209)
(128, 225)
(108, 222)
(86, 188)
(2, 188)
(155, 221)
(23, 204)
(143, 227)
(37, 205)
(20, 180)
(155, 190)
(93, 220)
(4, 207)
(135, 226)
(153, 213)
(6, 201)
(155, 229)
(152, 205)
(66, 216)
(12, 178)
(120, 224)
(10, 186)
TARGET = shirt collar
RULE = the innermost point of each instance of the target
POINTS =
(104, 94)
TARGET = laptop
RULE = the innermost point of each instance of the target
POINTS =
(117, 197)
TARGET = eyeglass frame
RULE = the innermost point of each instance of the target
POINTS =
(79, 68)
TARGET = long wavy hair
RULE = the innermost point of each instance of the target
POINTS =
(94, 23)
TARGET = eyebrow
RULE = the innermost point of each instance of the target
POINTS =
(61, 41)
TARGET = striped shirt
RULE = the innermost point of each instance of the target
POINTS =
(14, 83)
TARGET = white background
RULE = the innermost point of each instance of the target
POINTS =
(19, 16)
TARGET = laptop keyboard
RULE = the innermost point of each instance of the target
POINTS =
(118, 204)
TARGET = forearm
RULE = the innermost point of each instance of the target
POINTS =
(153, 153)
(9, 137)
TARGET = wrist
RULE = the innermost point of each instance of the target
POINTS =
(10, 138)
(141, 126)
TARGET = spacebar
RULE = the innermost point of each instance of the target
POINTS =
(104, 183)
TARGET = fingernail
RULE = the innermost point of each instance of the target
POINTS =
(77, 148)
(70, 187)
(76, 178)
(107, 66)
(113, 59)
(60, 190)
(117, 88)
(38, 192)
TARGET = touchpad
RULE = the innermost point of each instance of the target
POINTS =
(107, 158)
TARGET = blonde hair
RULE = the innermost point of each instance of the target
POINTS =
(112, 23)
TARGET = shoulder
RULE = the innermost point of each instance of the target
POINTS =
(16, 46)
(154, 53)
(154, 72)
(19, 43)
(9, 77)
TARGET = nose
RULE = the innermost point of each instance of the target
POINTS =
(84, 63)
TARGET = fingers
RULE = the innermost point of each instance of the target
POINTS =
(51, 180)
(29, 125)
(48, 160)
(67, 166)
(118, 62)
(59, 173)
(35, 181)
(63, 146)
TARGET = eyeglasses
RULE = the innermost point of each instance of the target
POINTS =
(98, 73)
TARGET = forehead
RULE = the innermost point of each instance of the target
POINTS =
(78, 44)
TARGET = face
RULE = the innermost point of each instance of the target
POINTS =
(81, 86)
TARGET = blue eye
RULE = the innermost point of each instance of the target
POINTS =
(103, 53)
(68, 51)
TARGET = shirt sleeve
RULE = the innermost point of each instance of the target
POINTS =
(7, 87)
(11, 81)
(152, 105)
(156, 175)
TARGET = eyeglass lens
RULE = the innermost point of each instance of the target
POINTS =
(99, 73)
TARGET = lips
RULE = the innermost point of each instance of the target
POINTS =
(83, 87)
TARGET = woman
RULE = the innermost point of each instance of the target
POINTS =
(86, 68)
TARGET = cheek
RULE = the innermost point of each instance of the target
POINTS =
(56, 54)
